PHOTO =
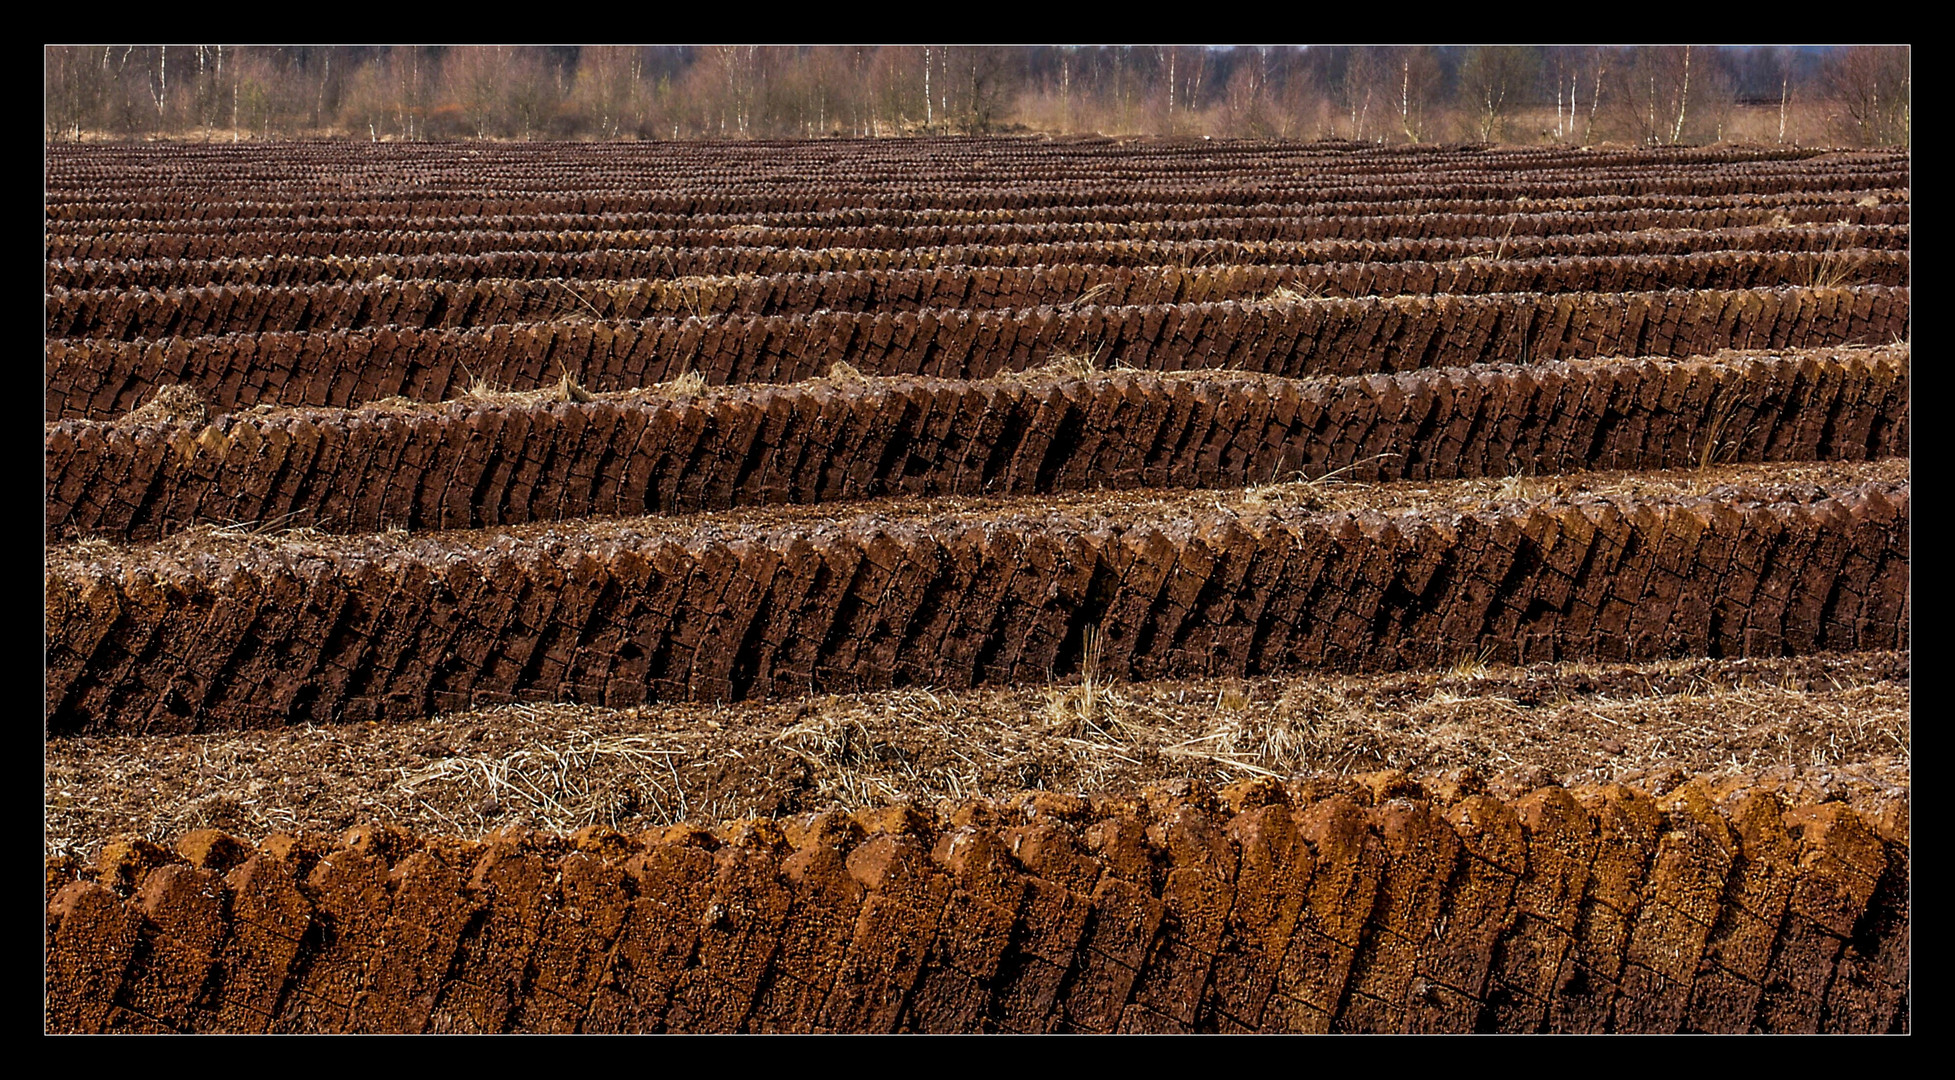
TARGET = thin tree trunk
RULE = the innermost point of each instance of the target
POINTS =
(1065, 92)
(1405, 100)
(1170, 90)
(1649, 126)
(1683, 99)
(1785, 91)
(1594, 100)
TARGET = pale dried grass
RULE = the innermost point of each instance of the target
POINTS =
(1293, 294)
(685, 384)
(172, 403)
(1060, 365)
(559, 781)
(1836, 268)
(561, 767)
(1301, 492)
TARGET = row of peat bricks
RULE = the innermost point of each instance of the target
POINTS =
(307, 215)
(90, 378)
(304, 215)
(127, 315)
(269, 633)
(549, 178)
(472, 464)
(1372, 905)
(573, 232)
(1197, 259)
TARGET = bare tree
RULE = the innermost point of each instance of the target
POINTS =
(986, 73)
(77, 86)
(1577, 74)
(609, 89)
(1245, 98)
(1869, 94)
(1646, 96)
(412, 73)
(1683, 98)
(1780, 62)
(1595, 97)
(474, 77)
(1365, 74)
(1670, 95)
(1419, 77)
(1492, 79)
(1713, 97)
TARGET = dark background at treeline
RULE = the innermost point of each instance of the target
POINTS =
(1853, 96)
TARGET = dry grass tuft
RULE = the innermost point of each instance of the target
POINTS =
(571, 390)
(1302, 493)
(843, 372)
(855, 758)
(693, 291)
(1060, 365)
(278, 526)
(1835, 268)
(1527, 488)
(1715, 448)
(173, 403)
(685, 384)
(1471, 668)
(93, 548)
(1500, 250)
(1104, 728)
(1073, 708)
(1283, 494)
(1294, 294)
(483, 392)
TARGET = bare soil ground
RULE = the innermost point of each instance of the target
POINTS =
(1833, 726)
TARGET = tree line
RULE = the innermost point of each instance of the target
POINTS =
(1664, 95)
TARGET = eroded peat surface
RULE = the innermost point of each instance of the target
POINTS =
(976, 585)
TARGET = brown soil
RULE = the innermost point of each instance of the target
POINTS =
(1832, 726)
